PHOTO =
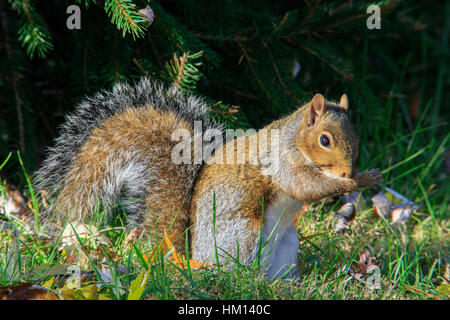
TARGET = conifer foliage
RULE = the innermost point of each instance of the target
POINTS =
(124, 15)
(254, 61)
(32, 34)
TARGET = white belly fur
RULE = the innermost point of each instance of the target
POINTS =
(281, 250)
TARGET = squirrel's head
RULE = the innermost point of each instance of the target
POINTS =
(327, 137)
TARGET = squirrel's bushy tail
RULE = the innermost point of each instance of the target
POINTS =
(116, 147)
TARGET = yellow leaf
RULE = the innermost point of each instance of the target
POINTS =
(145, 258)
(93, 293)
(87, 292)
(444, 289)
(166, 246)
(175, 257)
(138, 285)
(71, 294)
(196, 265)
(163, 247)
(48, 284)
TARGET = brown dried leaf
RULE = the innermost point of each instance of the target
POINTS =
(365, 261)
(26, 291)
(134, 235)
(392, 205)
(13, 203)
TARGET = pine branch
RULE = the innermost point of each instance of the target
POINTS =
(33, 33)
(184, 72)
(124, 15)
(180, 66)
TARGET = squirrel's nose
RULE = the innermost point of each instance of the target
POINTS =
(347, 173)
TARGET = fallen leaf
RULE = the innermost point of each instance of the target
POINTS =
(444, 289)
(365, 261)
(401, 213)
(87, 292)
(395, 197)
(392, 205)
(134, 235)
(175, 257)
(106, 274)
(48, 284)
(163, 248)
(347, 211)
(13, 203)
(357, 199)
(381, 205)
(85, 232)
(196, 265)
(137, 286)
(46, 270)
(341, 224)
(344, 215)
(166, 248)
(26, 291)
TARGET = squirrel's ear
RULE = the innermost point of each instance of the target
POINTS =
(344, 102)
(317, 108)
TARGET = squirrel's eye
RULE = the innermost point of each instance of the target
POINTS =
(324, 140)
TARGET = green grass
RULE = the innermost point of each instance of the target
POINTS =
(412, 257)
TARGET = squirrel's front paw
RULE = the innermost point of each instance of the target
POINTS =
(369, 178)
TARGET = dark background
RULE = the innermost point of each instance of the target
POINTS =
(396, 77)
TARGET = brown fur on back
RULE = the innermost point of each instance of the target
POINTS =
(116, 148)
(141, 139)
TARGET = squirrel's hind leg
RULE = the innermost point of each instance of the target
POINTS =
(233, 235)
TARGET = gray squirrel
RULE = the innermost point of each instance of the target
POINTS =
(118, 147)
